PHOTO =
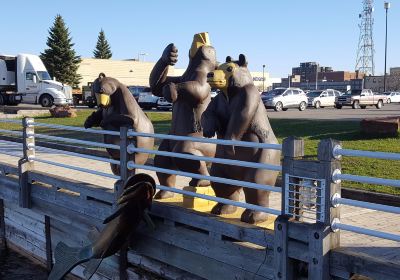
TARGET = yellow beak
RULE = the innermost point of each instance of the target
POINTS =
(103, 99)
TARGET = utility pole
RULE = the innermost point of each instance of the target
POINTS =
(386, 6)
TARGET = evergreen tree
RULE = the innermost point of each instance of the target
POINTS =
(60, 58)
(102, 49)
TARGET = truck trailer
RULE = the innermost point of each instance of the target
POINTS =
(24, 79)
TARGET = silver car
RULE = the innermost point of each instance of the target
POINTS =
(283, 98)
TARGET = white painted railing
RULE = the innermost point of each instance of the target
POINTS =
(319, 200)
(336, 200)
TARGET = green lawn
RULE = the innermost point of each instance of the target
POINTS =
(312, 131)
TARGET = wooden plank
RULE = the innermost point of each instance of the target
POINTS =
(2, 229)
(90, 208)
(6, 169)
(98, 192)
(251, 258)
(283, 264)
(49, 258)
(166, 271)
(346, 260)
(188, 261)
(212, 223)
(28, 242)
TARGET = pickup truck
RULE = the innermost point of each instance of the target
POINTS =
(357, 98)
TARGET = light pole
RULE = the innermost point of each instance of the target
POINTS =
(289, 79)
(263, 77)
(316, 76)
(386, 6)
(141, 54)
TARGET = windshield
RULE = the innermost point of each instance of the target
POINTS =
(353, 92)
(314, 93)
(43, 75)
(275, 92)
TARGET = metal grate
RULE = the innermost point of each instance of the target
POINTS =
(305, 198)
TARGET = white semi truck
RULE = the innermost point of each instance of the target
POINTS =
(24, 79)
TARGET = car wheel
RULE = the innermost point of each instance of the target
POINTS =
(2, 100)
(356, 104)
(302, 106)
(46, 100)
(317, 105)
(389, 101)
(339, 106)
(278, 107)
(379, 105)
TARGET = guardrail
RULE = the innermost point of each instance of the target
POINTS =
(310, 192)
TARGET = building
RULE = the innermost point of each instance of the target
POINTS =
(309, 75)
(308, 71)
(375, 83)
(136, 73)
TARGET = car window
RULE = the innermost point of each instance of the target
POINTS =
(295, 92)
(330, 93)
(337, 93)
(288, 92)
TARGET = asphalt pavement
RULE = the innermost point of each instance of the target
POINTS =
(346, 113)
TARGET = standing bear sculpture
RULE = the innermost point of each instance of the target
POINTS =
(118, 108)
(190, 95)
(239, 114)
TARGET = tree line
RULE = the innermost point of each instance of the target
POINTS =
(60, 58)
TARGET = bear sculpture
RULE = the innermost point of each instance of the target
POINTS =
(117, 108)
(190, 95)
(239, 114)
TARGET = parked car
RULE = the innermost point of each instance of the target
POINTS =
(163, 104)
(136, 90)
(214, 93)
(147, 100)
(284, 98)
(392, 96)
(322, 98)
(357, 98)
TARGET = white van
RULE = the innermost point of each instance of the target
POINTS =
(24, 78)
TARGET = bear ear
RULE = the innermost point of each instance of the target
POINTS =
(101, 76)
(242, 60)
(228, 59)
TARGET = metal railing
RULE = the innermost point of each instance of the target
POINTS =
(336, 200)
(31, 146)
(132, 165)
(311, 198)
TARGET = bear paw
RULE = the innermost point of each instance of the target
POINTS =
(221, 209)
(199, 183)
(253, 217)
(164, 195)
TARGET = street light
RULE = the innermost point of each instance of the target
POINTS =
(386, 6)
(141, 54)
(263, 77)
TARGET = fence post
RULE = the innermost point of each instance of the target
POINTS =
(292, 148)
(321, 237)
(26, 164)
(118, 188)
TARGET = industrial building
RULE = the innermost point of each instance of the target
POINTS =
(132, 72)
(376, 82)
(310, 75)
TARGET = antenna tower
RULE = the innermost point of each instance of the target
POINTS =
(365, 51)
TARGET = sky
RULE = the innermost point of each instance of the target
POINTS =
(279, 34)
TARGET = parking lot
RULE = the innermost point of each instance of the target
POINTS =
(346, 113)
